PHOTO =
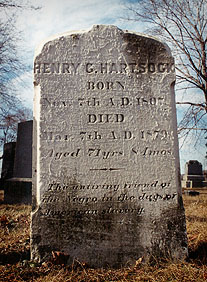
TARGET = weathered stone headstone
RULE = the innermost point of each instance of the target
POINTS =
(106, 167)
(193, 176)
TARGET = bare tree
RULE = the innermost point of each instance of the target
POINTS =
(9, 122)
(17, 4)
(183, 25)
(12, 66)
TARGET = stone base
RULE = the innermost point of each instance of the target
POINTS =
(193, 181)
(204, 183)
(18, 191)
(150, 237)
(186, 184)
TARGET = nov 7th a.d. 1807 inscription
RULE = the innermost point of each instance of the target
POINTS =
(106, 166)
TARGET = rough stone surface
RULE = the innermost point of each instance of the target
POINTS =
(106, 166)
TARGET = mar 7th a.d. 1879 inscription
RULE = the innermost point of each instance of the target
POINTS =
(106, 167)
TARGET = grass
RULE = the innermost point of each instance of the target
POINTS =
(15, 264)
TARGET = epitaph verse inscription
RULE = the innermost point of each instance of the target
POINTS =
(105, 163)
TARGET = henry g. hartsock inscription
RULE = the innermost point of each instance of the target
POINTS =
(106, 167)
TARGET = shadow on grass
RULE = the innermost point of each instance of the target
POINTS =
(199, 254)
(194, 218)
(14, 257)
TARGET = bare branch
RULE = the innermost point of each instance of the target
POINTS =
(192, 104)
(11, 67)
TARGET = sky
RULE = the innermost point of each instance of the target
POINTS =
(59, 16)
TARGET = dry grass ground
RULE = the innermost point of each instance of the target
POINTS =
(15, 264)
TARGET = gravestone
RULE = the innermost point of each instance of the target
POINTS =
(193, 176)
(18, 188)
(7, 165)
(8, 161)
(23, 156)
(106, 166)
(193, 167)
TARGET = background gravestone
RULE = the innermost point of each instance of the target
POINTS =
(193, 176)
(18, 188)
(23, 156)
(8, 161)
(106, 167)
(193, 167)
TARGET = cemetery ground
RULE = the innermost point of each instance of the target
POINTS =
(16, 266)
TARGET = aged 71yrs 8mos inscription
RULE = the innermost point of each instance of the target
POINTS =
(106, 167)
